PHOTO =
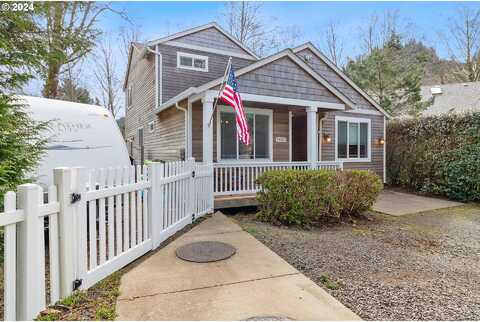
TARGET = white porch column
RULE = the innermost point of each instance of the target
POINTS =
(207, 144)
(312, 134)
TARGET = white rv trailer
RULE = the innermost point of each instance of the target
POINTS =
(79, 135)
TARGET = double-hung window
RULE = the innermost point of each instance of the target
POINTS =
(192, 62)
(260, 126)
(353, 137)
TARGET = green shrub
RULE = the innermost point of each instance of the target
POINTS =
(459, 170)
(437, 154)
(296, 197)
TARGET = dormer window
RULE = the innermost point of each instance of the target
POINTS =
(192, 62)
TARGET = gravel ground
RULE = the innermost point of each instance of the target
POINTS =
(415, 267)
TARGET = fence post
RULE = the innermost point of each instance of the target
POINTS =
(154, 207)
(63, 179)
(9, 261)
(30, 298)
(79, 213)
(210, 190)
(191, 198)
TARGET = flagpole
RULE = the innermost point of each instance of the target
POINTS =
(220, 91)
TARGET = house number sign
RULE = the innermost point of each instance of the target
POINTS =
(281, 139)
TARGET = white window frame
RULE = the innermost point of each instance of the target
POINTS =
(369, 138)
(151, 126)
(259, 111)
(129, 96)
(193, 56)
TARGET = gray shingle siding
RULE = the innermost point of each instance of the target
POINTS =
(176, 80)
(212, 38)
(284, 78)
(332, 77)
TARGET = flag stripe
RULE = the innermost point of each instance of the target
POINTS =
(231, 96)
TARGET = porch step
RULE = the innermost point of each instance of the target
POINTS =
(237, 200)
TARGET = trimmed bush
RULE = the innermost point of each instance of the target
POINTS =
(298, 197)
(438, 154)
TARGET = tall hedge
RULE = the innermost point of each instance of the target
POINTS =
(437, 154)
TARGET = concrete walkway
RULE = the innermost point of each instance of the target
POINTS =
(400, 203)
(254, 282)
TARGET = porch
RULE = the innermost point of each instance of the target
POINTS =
(234, 184)
(286, 134)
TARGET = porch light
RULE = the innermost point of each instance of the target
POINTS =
(381, 141)
(327, 138)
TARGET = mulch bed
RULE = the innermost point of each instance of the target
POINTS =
(415, 267)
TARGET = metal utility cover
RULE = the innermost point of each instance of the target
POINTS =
(205, 251)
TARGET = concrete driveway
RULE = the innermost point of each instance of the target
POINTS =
(255, 282)
(399, 203)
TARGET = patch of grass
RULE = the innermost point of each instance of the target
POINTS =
(250, 229)
(96, 303)
(49, 315)
(105, 313)
(329, 283)
(76, 298)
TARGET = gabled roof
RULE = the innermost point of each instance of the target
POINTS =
(330, 64)
(285, 53)
(200, 28)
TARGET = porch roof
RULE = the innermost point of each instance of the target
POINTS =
(196, 92)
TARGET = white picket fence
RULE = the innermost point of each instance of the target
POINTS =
(98, 220)
(240, 177)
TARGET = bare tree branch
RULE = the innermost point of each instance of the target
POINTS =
(463, 44)
(107, 78)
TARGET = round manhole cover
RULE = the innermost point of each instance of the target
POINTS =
(269, 318)
(205, 251)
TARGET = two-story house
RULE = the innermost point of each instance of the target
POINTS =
(300, 106)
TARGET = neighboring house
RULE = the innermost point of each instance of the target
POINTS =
(455, 98)
(300, 106)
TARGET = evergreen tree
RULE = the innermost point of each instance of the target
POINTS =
(392, 76)
(21, 145)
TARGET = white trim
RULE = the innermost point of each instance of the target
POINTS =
(158, 78)
(200, 28)
(364, 111)
(327, 61)
(284, 101)
(193, 57)
(384, 149)
(208, 50)
(369, 139)
(290, 115)
(190, 129)
(260, 111)
(150, 128)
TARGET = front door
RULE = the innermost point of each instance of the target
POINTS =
(299, 137)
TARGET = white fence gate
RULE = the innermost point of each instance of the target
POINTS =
(98, 220)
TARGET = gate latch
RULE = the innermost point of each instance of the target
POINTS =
(193, 174)
(75, 197)
(76, 284)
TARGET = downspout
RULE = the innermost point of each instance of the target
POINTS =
(184, 110)
(158, 75)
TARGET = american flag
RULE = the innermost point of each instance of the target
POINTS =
(231, 96)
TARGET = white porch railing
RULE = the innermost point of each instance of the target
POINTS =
(240, 177)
